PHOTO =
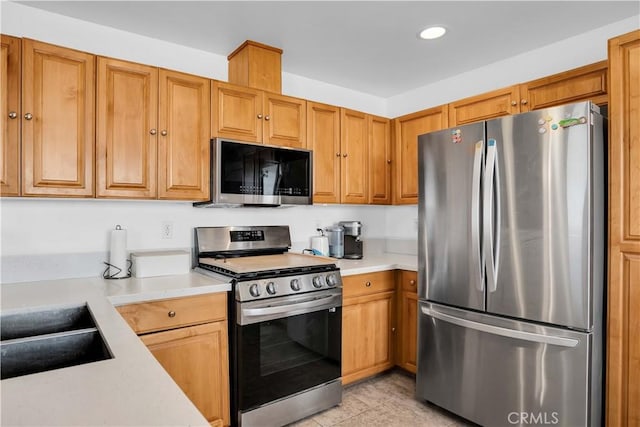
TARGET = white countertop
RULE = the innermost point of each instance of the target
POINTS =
(132, 388)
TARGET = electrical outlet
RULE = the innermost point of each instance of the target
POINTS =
(167, 230)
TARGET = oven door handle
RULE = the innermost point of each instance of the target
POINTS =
(288, 307)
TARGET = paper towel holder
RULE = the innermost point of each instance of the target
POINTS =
(115, 270)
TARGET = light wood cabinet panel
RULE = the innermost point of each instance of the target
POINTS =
(196, 358)
(490, 105)
(58, 133)
(256, 65)
(379, 160)
(323, 138)
(407, 130)
(588, 83)
(236, 112)
(175, 312)
(11, 116)
(354, 149)
(623, 323)
(368, 284)
(127, 114)
(183, 142)
(285, 121)
(367, 336)
(407, 349)
(251, 115)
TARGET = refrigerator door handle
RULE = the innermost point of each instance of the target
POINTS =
(488, 217)
(477, 263)
(498, 330)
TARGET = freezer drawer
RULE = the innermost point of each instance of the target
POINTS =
(500, 372)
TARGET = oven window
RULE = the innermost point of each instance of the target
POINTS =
(280, 357)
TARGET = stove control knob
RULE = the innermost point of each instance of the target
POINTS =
(295, 284)
(317, 282)
(254, 290)
(332, 280)
(271, 288)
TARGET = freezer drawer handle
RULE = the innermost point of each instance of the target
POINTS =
(497, 330)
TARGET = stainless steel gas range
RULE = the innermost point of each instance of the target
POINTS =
(285, 323)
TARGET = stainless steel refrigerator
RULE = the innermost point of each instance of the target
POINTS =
(511, 268)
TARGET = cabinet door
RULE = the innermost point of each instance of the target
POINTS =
(407, 130)
(490, 105)
(236, 112)
(285, 121)
(623, 323)
(197, 359)
(11, 116)
(379, 160)
(354, 147)
(183, 144)
(588, 83)
(408, 322)
(58, 127)
(323, 137)
(126, 129)
(367, 337)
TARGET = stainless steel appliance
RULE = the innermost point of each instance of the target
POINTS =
(352, 242)
(336, 241)
(511, 268)
(285, 323)
(258, 175)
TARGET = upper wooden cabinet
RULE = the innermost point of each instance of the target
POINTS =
(256, 65)
(153, 132)
(379, 160)
(58, 126)
(623, 323)
(354, 149)
(497, 103)
(323, 138)
(407, 130)
(580, 84)
(252, 115)
(11, 116)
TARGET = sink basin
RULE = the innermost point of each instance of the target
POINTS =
(39, 341)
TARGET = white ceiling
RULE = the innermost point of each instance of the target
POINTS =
(368, 46)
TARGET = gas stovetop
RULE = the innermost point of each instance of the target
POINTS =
(239, 253)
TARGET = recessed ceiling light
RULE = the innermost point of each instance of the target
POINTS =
(432, 33)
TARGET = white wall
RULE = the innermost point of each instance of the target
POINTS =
(563, 55)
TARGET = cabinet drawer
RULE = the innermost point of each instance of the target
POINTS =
(409, 280)
(366, 284)
(175, 312)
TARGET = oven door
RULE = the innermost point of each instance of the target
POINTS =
(287, 345)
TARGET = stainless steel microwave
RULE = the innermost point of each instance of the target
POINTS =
(258, 175)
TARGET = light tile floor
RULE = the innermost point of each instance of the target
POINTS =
(384, 400)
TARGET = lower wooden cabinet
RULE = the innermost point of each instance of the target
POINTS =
(368, 325)
(188, 336)
(407, 348)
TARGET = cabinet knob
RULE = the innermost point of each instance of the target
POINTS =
(267, 118)
(368, 284)
(172, 313)
(514, 103)
(389, 161)
(163, 133)
(523, 102)
(153, 132)
(259, 116)
(337, 154)
(393, 330)
(344, 155)
(412, 282)
(13, 114)
(28, 116)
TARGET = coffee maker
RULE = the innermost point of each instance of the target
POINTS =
(352, 242)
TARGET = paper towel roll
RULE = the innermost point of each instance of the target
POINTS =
(118, 254)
